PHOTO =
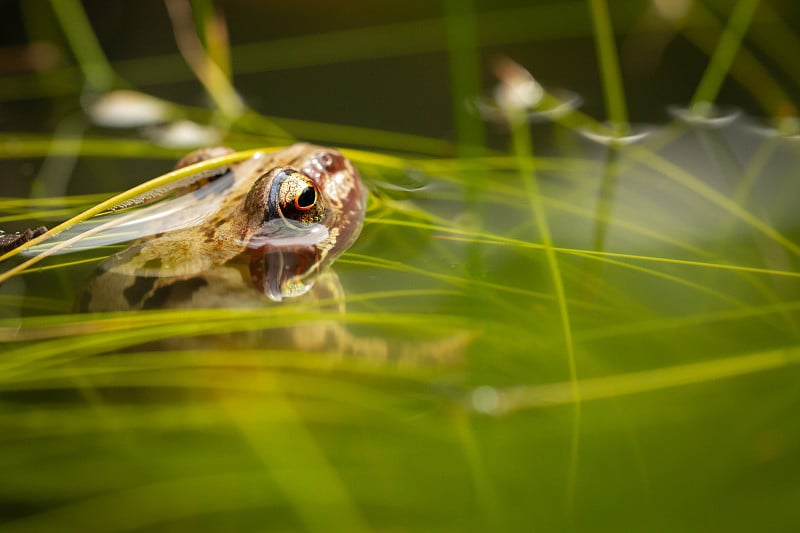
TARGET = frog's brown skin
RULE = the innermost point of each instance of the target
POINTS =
(179, 268)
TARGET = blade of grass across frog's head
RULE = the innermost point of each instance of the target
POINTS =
(112, 227)
(181, 186)
(177, 174)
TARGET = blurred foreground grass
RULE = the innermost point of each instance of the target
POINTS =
(599, 334)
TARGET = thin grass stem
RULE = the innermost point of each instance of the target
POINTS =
(725, 53)
(523, 149)
(609, 66)
(160, 181)
(93, 63)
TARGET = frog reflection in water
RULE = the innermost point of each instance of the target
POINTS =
(280, 220)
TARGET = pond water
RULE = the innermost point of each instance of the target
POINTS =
(561, 328)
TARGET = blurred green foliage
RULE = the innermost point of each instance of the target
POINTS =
(562, 323)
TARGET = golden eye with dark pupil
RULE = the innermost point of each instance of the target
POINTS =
(294, 198)
(306, 199)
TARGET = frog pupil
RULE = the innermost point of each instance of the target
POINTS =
(307, 198)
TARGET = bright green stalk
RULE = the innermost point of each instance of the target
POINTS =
(523, 149)
(82, 40)
(163, 180)
(462, 46)
(609, 65)
(725, 53)
(213, 78)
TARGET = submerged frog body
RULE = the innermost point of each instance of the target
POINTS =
(275, 222)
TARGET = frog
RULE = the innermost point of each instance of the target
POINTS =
(277, 220)
(270, 229)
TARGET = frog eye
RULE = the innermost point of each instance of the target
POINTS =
(306, 199)
(294, 197)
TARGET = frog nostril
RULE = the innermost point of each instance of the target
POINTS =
(327, 162)
(325, 159)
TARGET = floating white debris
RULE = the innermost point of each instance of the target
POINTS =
(608, 134)
(184, 134)
(519, 95)
(786, 127)
(556, 103)
(705, 115)
(517, 90)
(128, 109)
